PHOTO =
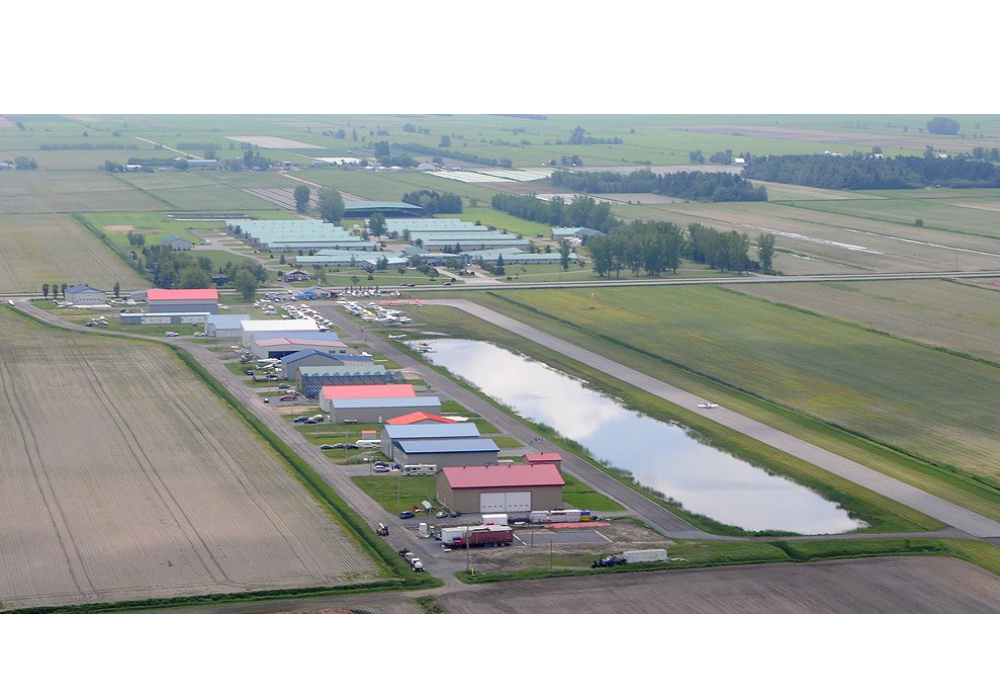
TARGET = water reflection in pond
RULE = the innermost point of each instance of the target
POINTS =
(659, 455)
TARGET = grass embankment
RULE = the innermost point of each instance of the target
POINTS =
(882, 514)
(661, 361)
(706, 554)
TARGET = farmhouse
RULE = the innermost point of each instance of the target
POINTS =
(83, 295)
(175, 242)
(297, 275)
(446, 452)
(182, 300)
(376, 410)
(399, 434)
(500, 488)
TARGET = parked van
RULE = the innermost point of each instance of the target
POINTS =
(420, 469)
(368, 443)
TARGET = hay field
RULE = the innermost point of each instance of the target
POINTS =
(124, 477)
(39, 191)
(191, 191)
(38, 249)
(924, 401)
(941, 313)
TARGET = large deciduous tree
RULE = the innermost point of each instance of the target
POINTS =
(302, 193)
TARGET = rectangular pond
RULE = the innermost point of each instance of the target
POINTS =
(660, 455)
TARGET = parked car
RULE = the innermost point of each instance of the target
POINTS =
(380, 469)
(285, 399)
(406, 515)
(171, 334)
(456, 513)
(441, 515)
(283, 386)
(248, 372)
(325, 447)
(301, 418)
(267, 400)
(344, 446)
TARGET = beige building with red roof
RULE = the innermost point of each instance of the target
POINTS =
(501, 488)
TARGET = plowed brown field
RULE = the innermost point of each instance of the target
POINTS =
(123, 477)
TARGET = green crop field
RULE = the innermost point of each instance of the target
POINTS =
(39, 191)
(976, 216)
(924, 401)
(941, 313)
(38, 249)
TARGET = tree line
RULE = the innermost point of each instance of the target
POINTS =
(451, 154)
(650, 246)
(655, 247)
(866, 171)
(698, 186)
(434, 202)
(579, 212)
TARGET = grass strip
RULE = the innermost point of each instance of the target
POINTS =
(713, 554)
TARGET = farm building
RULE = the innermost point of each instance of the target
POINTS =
(376, 410)
(297, 275)
(446, 452)
(285, 327)
(182, 300)
(278, 347)
(163, 318)
(175, 242)
(297, 234)
(364, 209)
(397, 225)
(487, 240)
(578, 232)
(370, 264)
(330, 393)
(500, 488)
(514, 256)
(312, 379)
(83, 295)
(420, 418)
(225, 325)
(395, 434)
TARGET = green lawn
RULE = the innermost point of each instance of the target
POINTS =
(412, 490)
(581, 496)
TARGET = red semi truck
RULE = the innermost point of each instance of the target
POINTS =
(483, 535)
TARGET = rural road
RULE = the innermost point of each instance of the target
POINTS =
(942, 510)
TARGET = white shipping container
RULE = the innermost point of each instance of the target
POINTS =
(645, 555)
(499, 519)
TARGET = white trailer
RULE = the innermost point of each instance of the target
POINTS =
(645, 555)
(499, 519)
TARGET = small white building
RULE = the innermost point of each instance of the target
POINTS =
(290, 326)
